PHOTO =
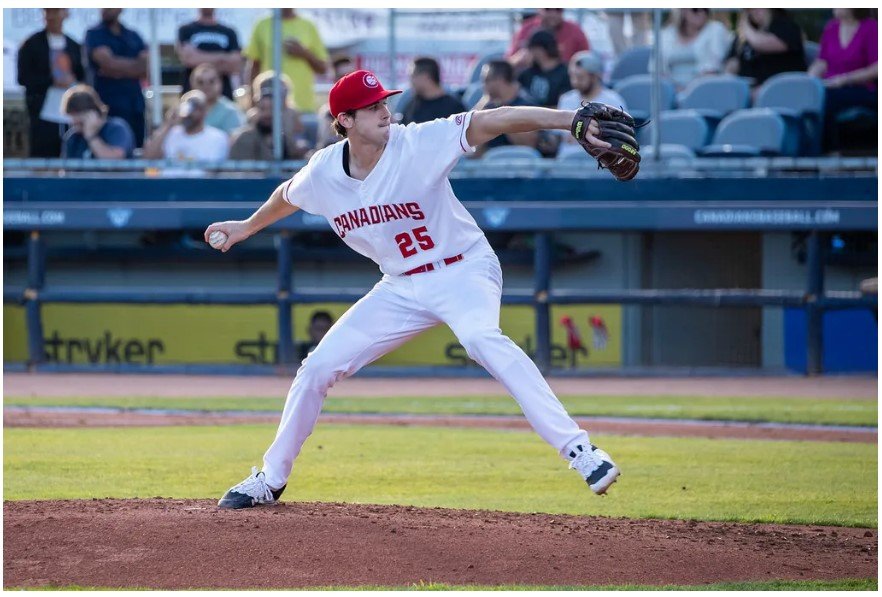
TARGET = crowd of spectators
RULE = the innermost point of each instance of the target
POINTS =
(86, 101)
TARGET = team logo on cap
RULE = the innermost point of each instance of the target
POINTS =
(370, 80)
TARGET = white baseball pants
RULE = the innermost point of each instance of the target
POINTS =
(466, 296)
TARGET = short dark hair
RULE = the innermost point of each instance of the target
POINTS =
(542, 38)
(82, 98)
(321, 315)
(428, 66)
(499, 69)
(340, 60)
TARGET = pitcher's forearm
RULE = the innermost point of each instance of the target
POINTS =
(270, 212)
(524, 119)
(488, 124)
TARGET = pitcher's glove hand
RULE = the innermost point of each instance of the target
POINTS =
(616, 127)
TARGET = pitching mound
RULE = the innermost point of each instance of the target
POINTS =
(178, 544)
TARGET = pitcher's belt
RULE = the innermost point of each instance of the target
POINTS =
(431, 266)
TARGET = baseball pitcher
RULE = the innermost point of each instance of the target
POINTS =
(384, 190)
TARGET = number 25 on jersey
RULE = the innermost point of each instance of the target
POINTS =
(406, 240)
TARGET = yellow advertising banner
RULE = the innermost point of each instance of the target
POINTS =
(582, 335)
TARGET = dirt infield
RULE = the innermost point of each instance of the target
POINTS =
(36, 417)
(178, 544)
(87, 384)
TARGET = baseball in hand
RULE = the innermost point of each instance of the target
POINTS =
(217, 239)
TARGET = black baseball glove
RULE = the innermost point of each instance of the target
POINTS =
(622, 158)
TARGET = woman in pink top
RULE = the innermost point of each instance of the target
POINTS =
(847, 63)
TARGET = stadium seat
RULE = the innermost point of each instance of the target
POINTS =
(310, 123)
(679, 127)
(512, 152)
(748, 133)
(668, 151)
(471, 95)
(856, 132)
(475, 74)
(716, 95)
(799, 98)
(636, 90)
(811, 49)
(397, 103)
(633, 61)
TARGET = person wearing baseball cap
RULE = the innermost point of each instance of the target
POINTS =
(586, 77)
(384, 191)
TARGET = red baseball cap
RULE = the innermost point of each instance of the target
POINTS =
(357, 90)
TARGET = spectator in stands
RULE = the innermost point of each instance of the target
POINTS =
(767, 42)
(223, 113)
(547, 78)
(319, 324)
(326, 134)
(184, 136)
(49, 62)
(92, 133)
(254, 141)
(641, 28)
(206, 41)
(303, 55)
(586, 77)
(117, 59)
(692, 45)
(848, 64)
(502, 89)
(342, 66)
(430, 100)
(569, 36)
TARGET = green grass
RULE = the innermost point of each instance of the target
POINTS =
(862, 584)
(685, 478)
(842, 411)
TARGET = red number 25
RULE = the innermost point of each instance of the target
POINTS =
(405, 241)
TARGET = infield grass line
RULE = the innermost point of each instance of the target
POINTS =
(845, 411)
(861, 584)
(677, 478)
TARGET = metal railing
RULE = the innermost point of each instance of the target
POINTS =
(814, 299)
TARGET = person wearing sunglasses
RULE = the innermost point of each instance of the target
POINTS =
(223, 113)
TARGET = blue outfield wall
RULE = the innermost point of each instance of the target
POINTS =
(118, 202)
(851, 341)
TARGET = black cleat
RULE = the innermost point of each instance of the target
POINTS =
(250, 492)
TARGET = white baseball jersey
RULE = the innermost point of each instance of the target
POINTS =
(404, 214)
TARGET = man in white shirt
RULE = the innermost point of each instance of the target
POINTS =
(586, 77)
(184, 136)
(385, 192)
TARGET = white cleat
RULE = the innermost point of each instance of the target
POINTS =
(595, 466)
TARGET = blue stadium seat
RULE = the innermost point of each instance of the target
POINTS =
(749, 133)
(668, 151)
(475, 74)
(716, 95)
(397, 103)
(472, 94)
(310, 123)
(636, 90)
(512, 152)
(811, 49)
(571, 155)
(679, 127)
(799, 98)
(633, 61)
